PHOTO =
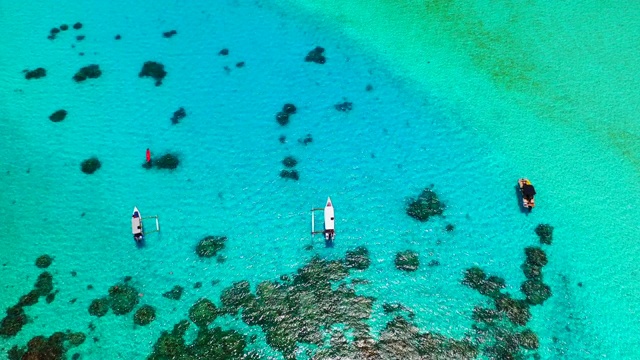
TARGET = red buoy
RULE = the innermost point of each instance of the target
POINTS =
(148, 155)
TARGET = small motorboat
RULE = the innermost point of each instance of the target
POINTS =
(528, 193)
(329, 221)
(136, 226)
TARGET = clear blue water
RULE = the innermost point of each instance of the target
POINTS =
(394, 143)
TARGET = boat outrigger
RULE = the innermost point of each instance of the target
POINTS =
(329, 221)
(137, 228)
(528, 193)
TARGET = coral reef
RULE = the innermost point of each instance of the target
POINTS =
(44, 261)
(203, 312)
(77, 26)
(289, 161)
(425, 205)
(224, 52)
(118, 37)
(210, 245)
(169, 34)
(306, 140)
(536, 291)
(35, 74)
(88, 72)
(545, 233)
(240, 64)
(58, 115)
(535, 256)
(476, 279)
(449, 227)
(122, 298)
(80, 38)
(99, 307)
(290, 174)
(316, 55)
(154, 70)
(282, 118)
(53, 347)
(167, 161)
(144, 315)
(357, 258)
(175, 293)
(13, 322)
(90, 165)
(289, 109)
(344, 106)
(407, 261)
(178, 115)
(64, 27)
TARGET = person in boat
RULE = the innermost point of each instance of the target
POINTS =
(528, 193)
(329, 234)
(138, 237)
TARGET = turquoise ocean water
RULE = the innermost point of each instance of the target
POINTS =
(396, 141)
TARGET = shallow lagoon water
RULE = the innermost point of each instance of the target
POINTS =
(399, 138)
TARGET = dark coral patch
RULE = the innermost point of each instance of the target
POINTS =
(290, 174)
(178, 115)
(90, 165)
(88, 72)
(44, 283)
(282, 118)
(316, 55)
(306, 140)
(475, 278)
(358, 258)
(203, 312)
(425, 205)
(122, 298)
(289, 109)
(224, 52)
(344, 106)
(175, 293)
(168, 34)
(407, 261)
(64, 27)
(154, 70)
(35, 74)
(118, 37)
(545, 233)
(58, 115)
(210, 245)
(144, 315)
(13, 322)
(44, 261)
(289, 161)
(77, 26)
(535, 256)
(240, 64)
(99, 307)
(536, 291)
(167, 161)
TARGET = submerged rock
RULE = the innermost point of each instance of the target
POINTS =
(90, 165)
(289, 109)
(144, 315)
(282, 118)
(224, 52)
(153, 70)
(58, 115)
(316, 55)
(77, 26)
(44, 261)
(35, 74)
(407, 261)
(167, 161)
(425, 206)
(88, 72)
(210, 245)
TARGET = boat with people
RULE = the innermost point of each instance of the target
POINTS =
(329, 221)
(136, 226)
(528, 193)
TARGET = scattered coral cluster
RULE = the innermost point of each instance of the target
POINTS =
(122, 299)
(54, 347)
(425, 205)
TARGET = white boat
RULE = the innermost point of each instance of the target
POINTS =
(329, 221)
(136, 225)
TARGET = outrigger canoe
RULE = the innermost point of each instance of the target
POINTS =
(329, 221)
(136, 226)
